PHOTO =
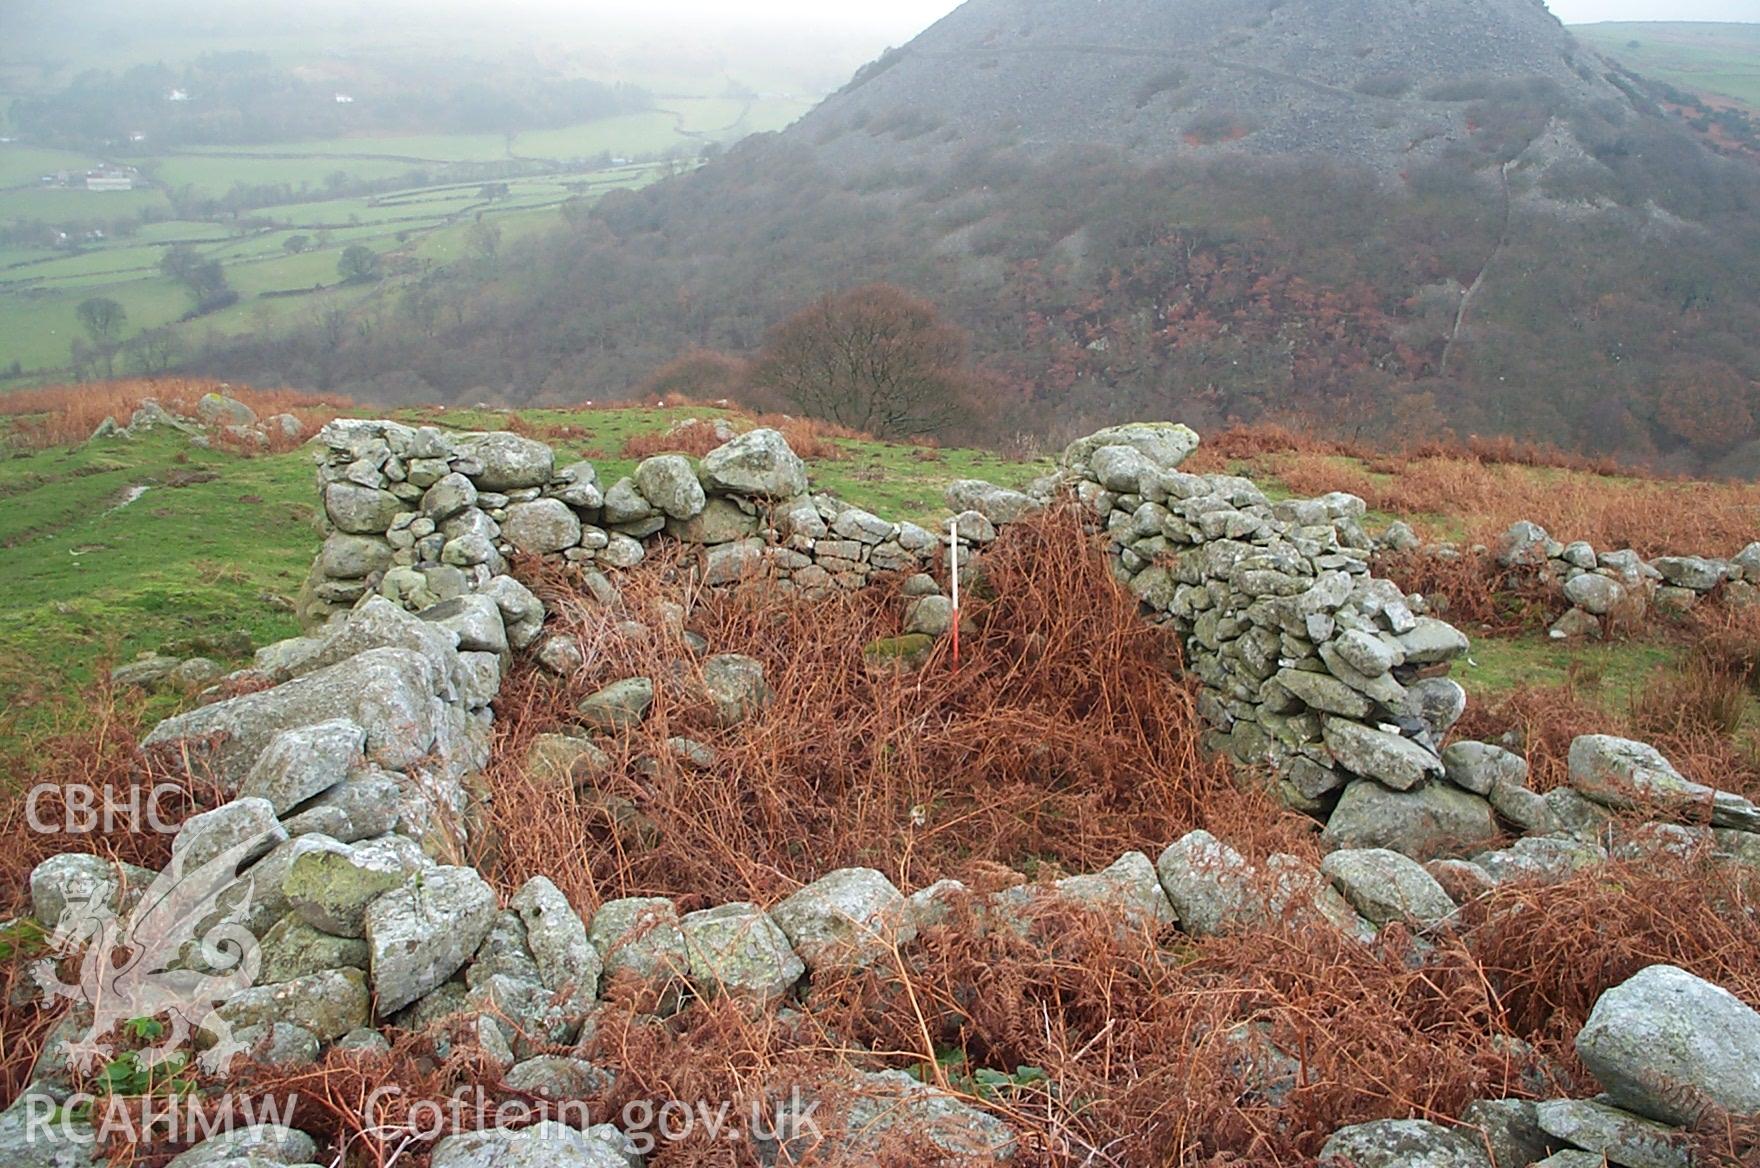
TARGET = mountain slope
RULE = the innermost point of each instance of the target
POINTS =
(1387, 217)
(1385, 82)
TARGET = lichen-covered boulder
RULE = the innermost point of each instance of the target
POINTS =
(1620, 773)
(359, 510)
(670, 483)
(263, 1143)
(619, 706)
(759, 464)
(737, 950)
(541, 527)
(639, 938)
(329, 884)
(1613, 1136)
(997, 504)
(304, 762)
(851, 917)
(1665, 1038)
(1435, 821)
(423, 932)
(557, 939)
(545, 1145)
(735, 687)
(327, 1004)
(1389, 759)
(506, 462)
(1386, 886)
(1402, 1143)
(1164, 444)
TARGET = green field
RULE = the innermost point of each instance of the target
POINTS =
(1720, 59)
(26, 165)
(92, 578)
(41, 289)
(40, 286)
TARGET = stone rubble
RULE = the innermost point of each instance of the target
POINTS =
(350, 777)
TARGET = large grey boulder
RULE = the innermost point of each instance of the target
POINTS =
(36, 1132)
(304, 762)
(263, 1143)
(358, 510)
(389, 693)
(1389, 759)
(737, 950)
(507, 462)
(327, 1004)
(452, 495)
(1129, 890)
(720, 520)
(1120, 468)
(735, 687)
(423, 933)
(852, 917)
(1613, 1136)
(640, 938)
(557, 938)
(731, 563)
(1386, 886)
(1540, 860)
(1594, 593)
(1478, 767)
(246, 827)
(1402, 1143)
(759, 464)
(292, 949)
(353, 557)
(1207, 882)
(1435, 821)
(80, 878)
(617, 707)
(670, 483)
(1164, 444)
(1432, 642)
(541, 527)
(890, 1109)
(1665, 1039)
(997, 504)
(545, 1145)
(329, 884)
(1692, 572)
(1622, 774)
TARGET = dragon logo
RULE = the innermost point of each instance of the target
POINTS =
(181, 950)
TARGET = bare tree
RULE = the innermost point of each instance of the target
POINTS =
(875, 358)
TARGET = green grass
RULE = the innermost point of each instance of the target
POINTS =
(77, 206)
(1712, 58)
(40, 290)
(1610, 671)
(22, 165)
(214, 175)
(90, 581)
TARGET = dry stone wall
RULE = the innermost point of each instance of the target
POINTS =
(350, 778)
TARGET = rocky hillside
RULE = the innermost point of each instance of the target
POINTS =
(1386, 83)
(1392, 220)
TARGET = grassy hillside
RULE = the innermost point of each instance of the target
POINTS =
(115, 548)
(1706, 58)
(112, 549)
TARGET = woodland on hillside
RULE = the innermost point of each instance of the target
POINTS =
(1093, 291)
